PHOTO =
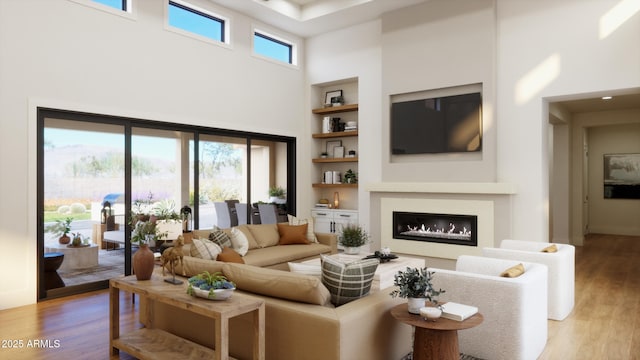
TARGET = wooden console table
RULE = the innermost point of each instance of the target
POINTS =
(434, 339)
(150, 343)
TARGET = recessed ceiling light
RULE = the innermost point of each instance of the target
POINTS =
(607, 97)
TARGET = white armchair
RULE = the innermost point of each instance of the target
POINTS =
(514, 309)
(561, 266)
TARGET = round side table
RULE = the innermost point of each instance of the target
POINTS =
(434, 339)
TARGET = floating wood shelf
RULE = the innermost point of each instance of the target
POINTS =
(344, 185)
(336, 109)
(335, 160)
(335, 134)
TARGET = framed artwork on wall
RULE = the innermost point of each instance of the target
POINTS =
(332, 144)
(621, 176)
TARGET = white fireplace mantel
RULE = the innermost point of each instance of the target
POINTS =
(442, 188)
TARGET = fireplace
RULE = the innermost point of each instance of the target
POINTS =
(436, 228)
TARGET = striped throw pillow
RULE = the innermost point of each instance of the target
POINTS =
(205, 249)
(347, 281)
(220, 237)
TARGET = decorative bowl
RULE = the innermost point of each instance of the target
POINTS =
(430, 313)
(218, 294)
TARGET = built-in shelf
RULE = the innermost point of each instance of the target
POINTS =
(343, 185)
(336, 109)
(335, 160)
(335, 134)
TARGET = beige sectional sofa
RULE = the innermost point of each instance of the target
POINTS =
(264, 250)
(300, 321)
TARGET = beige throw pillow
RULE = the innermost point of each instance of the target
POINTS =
(239, 241)
(266, 235)
(205, 249)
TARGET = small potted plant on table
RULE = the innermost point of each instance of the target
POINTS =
(414, 284)
(352, 238)
(61, 229)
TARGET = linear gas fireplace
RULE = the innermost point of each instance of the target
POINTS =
(436, 228)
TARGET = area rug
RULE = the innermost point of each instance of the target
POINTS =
(462, 357)
(111, 264)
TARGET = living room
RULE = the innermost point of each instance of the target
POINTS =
(68, 55)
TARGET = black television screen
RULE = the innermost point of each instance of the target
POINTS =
(438, 125)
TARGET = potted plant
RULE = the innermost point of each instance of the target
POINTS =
(352, 238)
(61, 229)
(277, 195)
(350, 177)
(210, 286)
(414, 284)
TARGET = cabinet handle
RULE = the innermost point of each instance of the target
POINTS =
(345, 215)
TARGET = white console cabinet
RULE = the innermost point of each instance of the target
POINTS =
(332, 220)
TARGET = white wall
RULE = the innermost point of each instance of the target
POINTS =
(63, 54)
(539, 55)
(611, 216)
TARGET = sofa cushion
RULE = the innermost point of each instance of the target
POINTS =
(282, 254)
(347, 281)
(266, 235)
(220, 237)
(244, 229)
(229, 255)
(311, 236)
(239, 241)
(306, 269)
(204, 249)
(293, 234)
(277, 283)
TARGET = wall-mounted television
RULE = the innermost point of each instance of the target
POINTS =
(447, 124)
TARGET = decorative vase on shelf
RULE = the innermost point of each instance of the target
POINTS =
(143, 262)
(64, 239)
(415, 304)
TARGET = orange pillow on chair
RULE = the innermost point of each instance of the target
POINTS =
(230, 255)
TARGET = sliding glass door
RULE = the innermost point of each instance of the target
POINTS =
(96, 171)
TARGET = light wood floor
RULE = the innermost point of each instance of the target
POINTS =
(605, 323)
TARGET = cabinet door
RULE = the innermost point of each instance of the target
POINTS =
(343, 218)
(322, 221)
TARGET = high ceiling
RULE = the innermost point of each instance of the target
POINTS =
(313, 17)
(307, 18)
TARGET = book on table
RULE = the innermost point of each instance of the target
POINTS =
(458, 312)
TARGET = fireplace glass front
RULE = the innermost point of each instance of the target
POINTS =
(437, 228)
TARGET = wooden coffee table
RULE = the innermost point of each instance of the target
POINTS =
(151, 343)
(434, 339)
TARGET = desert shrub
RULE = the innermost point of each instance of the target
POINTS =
(64, 209)
(77, 208)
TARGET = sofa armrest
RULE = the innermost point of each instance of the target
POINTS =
(328, 239)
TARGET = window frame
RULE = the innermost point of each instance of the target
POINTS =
(129, 13)
(225, 21)
(293, 47)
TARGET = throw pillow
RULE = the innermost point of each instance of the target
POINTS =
(204, 249)
(347, 281)
(239, 241)
(277, 283)
(220, 237)
(311, 235)
(231, 256)
(550, 249)
(513, 271)
(244, 228)
(266, 235)
(305, 269)
(292, 234)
